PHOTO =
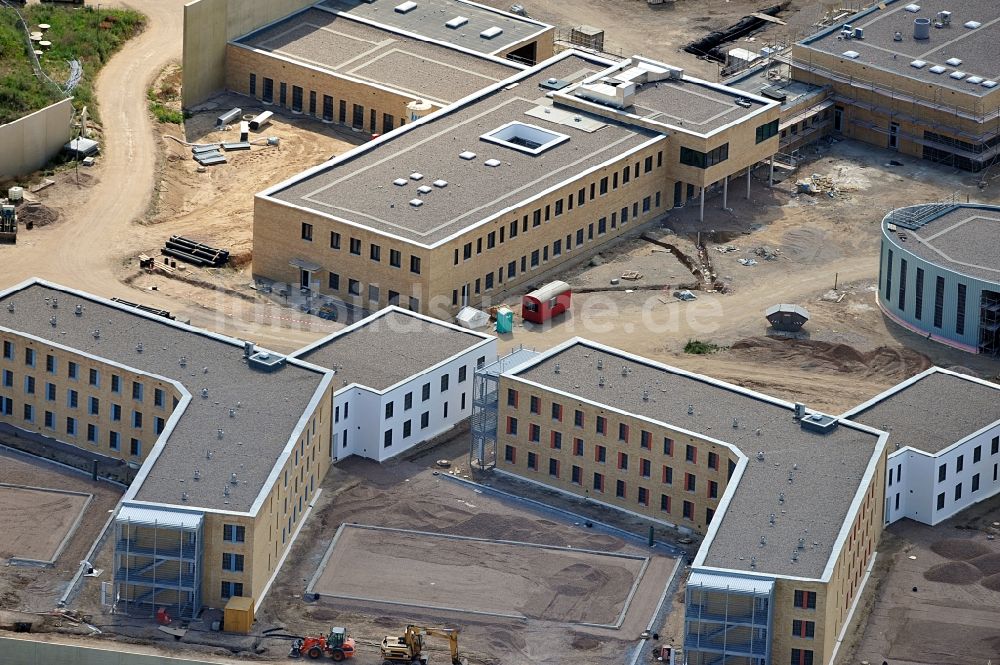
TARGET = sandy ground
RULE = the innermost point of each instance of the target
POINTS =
(482, 576)
(937, 597)
(23, 512)
(37, 522)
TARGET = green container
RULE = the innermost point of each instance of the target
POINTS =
(505, 321)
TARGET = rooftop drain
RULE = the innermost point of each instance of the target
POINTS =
(525, 138)
(490, 33)
(457, 22)
(406, 7)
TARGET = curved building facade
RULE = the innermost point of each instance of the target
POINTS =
(939, 273)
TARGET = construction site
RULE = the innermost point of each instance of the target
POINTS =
(508, 568)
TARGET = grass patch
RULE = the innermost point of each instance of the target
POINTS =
(76, 33)
(163, 114)
(700, 348)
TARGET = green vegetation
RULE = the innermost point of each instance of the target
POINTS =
(83, 34)
(698, 347)
(163, 114)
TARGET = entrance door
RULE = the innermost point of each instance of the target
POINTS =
(304, 278)
(678, 194)
(893, 135)
(838, 118)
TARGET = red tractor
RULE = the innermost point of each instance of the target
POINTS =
(338, 645)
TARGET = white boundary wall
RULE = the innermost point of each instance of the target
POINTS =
(29, 143)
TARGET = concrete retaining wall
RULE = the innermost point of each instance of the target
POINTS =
(29, 143)
(208, 27)
(22, 651)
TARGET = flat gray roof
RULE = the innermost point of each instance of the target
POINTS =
(965, 239)
(270, 404)
(388, 348)
(956, 407)
(692, 105)
(352, 48)
(429, 17)
(976, 48)
(358, 187)
(827, 468)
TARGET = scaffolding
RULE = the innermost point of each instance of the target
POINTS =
(727, 619)
(915, 217)
(989, 324)
(158, 555)
(485, 407)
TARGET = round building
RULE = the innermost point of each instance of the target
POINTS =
(939, 273)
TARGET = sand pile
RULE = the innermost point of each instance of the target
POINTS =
(992, 582)
(954, 572)
(884, 362)
(988, 564)
(960, 549)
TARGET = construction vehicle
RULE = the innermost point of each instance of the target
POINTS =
(338, 645)
(409, 647)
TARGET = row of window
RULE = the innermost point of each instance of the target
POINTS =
(918, 304)
(425, 420)
(354, 289)
(72, 427)
(704, 160)
(444, 383)
(73, 373)
(556, 209)
(977, 456)
(974, 487)
(324, 112)
(395, 257)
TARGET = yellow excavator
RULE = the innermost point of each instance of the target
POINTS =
(409, 647)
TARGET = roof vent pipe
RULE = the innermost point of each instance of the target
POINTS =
(921, 28)
(248, 349)
(800, 410)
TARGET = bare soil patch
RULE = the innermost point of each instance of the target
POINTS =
(953, 572)
(988, 564)
(24, 511)
(992, 582)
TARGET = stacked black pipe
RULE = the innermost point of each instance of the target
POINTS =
(196, 253)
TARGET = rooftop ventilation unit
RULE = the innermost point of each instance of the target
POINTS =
(457, 22)
(954, 62)
(467, 156)
(490, 33)
(937, 69)
(406, 7)
(853, 55)
(921, 28)
(958, 76)
(416, 176)
(266, 361)
(972, 25)
(553, 84)
(859, 33)
(897, 36)
(919, 64)
(800, 410)
(440, 184)
(424, 189)
(944, 17)
(492, 163)
(400, 182)
(416, 203)
(913, 9)
(819, 423)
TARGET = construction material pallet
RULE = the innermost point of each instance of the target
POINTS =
(242, 145)
(145, 308)
(195, 253)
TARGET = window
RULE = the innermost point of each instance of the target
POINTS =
(29, 357)
(643, 496)
(938, 301)
(354, 287)
(576, 474)
(533, 461)
(283, 94)
(601, 454)
(977, 454)
(91, 431)
(158, 424)
(713, 489)
(713, 461)
(387, 438)
(137, 391)
(534, 405)
(74, 370)
(407, 428)
(415, 265)
(462, 372)
(901, 303)
(598, 482)
(958, 491)
(645, 204)
(802, 657)
(70, 423)
(375, 252)
(512, 397)
(620, 489)
(553, 467)
(509, 454)
(995, 445)
(604, 186)
(578, 447)
(688, 510)
(233, 533)
(689, 482)
(602, 425)
(960, 464)
(334, 281)
(425, 392)
(135, 448)
(8, 350)
(975, 483)
(425, 419)
(602, 226)
(114, 440)
(395, 258)
(373, 293)
(764, 132)
(534, 433)
(29, 416)
(623, 432)
(312, 102)
(704, 160)
(645, 468)
(940, 501)
(556, 440)
(805, 600)
(50, 392)
(668, 475)
(29, 385)
(307, 231)
(232, 562)
(942, 473)
(919, 295)
(334, 240)
(8, 379)
(327, 108)
(668, 446)
(231, 589)
(534, 259)
(691, 454)
(960, 311)
(355, 246)
(648, 164)
(557, 412)
(388, 410)
(578, 418)
(93, 406)
(297, 99)
(623, 461)
(665, 503)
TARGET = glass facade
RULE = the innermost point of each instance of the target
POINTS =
(727, 619)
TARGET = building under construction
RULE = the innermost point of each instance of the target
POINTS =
(918, 77)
